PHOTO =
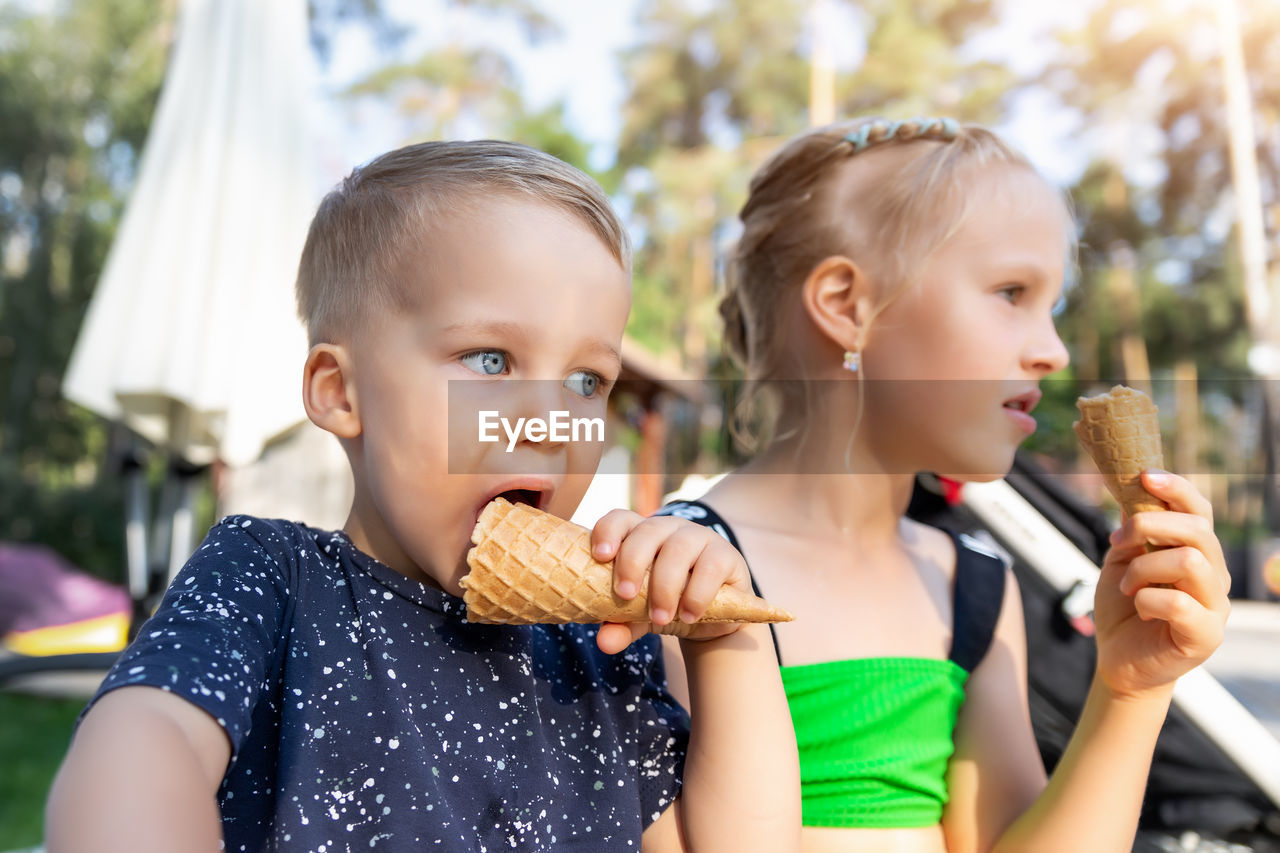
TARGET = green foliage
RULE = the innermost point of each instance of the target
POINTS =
(33, 740)
(77, 88)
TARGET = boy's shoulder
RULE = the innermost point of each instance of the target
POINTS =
(276, 539)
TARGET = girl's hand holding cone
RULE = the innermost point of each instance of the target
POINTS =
(1160, 612)
(1161, 602)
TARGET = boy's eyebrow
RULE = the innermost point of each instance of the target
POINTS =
(494, 327)
(501, 328)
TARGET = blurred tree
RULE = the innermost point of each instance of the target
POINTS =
(79, 80)
(465, 88)
(77, 88)
(1150, 87)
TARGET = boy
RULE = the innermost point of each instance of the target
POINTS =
(323, 691)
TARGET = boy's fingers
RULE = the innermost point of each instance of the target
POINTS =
(1184, 568)
(637, 551)
(670, 574)
(614, 637)
(1177, 492)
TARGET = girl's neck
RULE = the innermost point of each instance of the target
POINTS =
(805, 486)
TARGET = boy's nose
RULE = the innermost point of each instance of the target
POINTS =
(540, 399)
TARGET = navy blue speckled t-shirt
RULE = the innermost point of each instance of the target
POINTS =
(365, 712)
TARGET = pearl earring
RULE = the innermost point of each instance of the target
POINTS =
(852, 361)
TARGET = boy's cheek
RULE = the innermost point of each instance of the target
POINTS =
(570, 492)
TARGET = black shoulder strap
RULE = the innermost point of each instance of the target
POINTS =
(978, 595)
(700, 513)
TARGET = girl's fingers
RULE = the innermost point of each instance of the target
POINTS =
(614, 637)
(1177, 492)
(677, 555)
(1175, 530)
(1195, 630)
(609, 532)
(634, 555)
(1185, 569)
(714, 568)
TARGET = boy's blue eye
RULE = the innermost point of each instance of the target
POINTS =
(584, 383)
(490, 362)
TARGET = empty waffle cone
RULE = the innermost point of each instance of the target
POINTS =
(1121, 431)
(529, 567)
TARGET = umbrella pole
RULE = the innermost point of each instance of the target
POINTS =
(133, 466)
(162, 531)
(135, 528)
(186, 478)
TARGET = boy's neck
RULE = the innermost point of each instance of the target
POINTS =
(377, 542)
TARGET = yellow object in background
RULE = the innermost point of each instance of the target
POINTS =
(108, 633)
(1271, 573)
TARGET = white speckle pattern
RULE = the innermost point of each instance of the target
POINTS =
(364, 711)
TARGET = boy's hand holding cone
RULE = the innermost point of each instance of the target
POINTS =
(530, 567)
(1121, 431)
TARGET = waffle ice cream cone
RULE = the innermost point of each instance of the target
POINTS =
(529, 567)
(1121, 431)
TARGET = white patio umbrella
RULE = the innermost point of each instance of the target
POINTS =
(191, 339)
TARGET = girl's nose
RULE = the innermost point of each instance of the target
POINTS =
(1046, 353)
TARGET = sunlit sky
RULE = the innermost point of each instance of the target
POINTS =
(581, 66)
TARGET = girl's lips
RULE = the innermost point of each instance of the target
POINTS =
(1022, 419)
(1019, 409)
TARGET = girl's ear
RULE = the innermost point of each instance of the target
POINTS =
(837, 297)
(329, 392)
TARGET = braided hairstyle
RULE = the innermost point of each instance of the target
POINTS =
(886, 194)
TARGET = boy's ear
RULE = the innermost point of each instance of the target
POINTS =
(329, 391)
(837, 296)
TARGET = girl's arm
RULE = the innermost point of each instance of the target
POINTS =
(998, 795)
(142, 774)
(1158, 615)
(741, 777)
(741, 788)
(742, 773)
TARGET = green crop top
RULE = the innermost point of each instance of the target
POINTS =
(875, 734)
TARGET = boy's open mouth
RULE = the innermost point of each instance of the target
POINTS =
(525, 490)
(522, 496)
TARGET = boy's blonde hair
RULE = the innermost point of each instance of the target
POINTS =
(804, 205)
(348, 270)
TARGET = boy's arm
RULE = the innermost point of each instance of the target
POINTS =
(142, 774)
(741, 775)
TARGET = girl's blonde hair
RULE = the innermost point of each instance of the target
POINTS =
(803, 207)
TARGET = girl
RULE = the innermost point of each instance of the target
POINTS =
(891, 301)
